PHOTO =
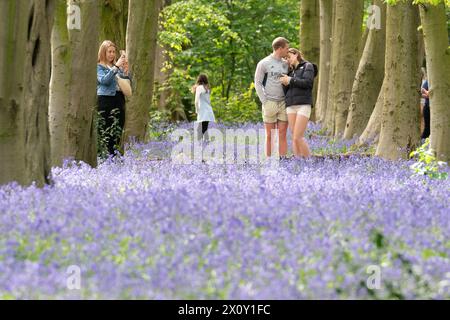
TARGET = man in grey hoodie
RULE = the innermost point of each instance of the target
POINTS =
(271, 94)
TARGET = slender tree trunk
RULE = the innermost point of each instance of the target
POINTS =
(25, 28)
(141, 48)
(73, 85)
(371, 133)
(362, 42)
(113, 22)
(369, 77)
(160, 76)
(344, 60)
(400, 117)
(326, 23)
(330, 112)
(434, 23)
(59, 83)
(310, 37)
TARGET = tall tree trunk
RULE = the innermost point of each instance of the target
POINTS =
(400, 117)
(73, 85)
(371, 133)
(25, 28)
(161, 77)
(59, 83)
(113, 22)
(310, 37)
(141, 48)
(344, 60)
(326, 23)
(362, 42)
(434, 23)
(330, 112)
(369, 77)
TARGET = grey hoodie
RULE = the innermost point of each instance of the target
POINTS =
(273, 89)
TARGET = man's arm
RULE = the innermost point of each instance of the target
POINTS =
(259, 77)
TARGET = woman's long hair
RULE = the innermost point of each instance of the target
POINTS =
(203, 80)
(298, 54)
(102, 52)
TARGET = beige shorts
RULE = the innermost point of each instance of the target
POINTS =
(274, 111)
(303, 110)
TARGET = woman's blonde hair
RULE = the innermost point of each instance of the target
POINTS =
(296, 52)
(102, 51)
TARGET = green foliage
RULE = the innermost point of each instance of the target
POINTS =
(178, 104)
(239, 108)
(432, 2)
(106, 134)
(426, 162)
(223, 39)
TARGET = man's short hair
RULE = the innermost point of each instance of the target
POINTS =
(279, 42)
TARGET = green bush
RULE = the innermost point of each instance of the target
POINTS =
(239, 108)
(104, 134)
(427, 163)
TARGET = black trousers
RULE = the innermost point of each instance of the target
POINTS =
(202, 129)
(426, 118)
(112, 111)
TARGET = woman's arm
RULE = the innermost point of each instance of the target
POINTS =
(306, 81)
(105, 76)
(125, 75)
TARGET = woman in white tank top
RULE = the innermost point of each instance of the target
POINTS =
(203, 106)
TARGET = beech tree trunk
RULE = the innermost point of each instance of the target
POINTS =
(113, 22)
(371, 133)
(400, 117)
(73, 96)
(369, 77)
(141, 48)
(434, 23)
(25, 28)
(326, 23)
(310, 37)
(344, 61)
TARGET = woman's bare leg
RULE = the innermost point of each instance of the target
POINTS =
(299, 135)
(292, 117)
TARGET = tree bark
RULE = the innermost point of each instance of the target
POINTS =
(371, 133)
(345, 50)
(310, 37)
(161, 77)
(326, 23)
(73, 85)
(59, 83)
(141, 48)
(434, 23)
(400, 117)
(24, 76)
(113, 22)
(362, 42)
(369, 78)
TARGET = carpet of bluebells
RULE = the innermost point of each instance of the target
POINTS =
(142, 227)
